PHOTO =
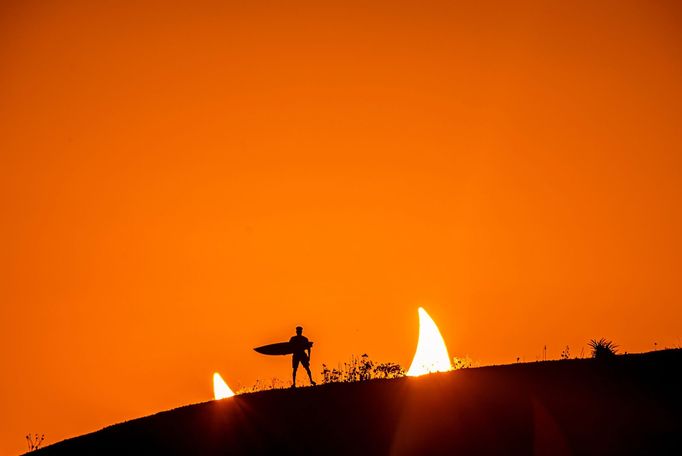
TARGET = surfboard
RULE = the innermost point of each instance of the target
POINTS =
(281, 348)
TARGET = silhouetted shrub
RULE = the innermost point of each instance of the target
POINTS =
(566, 353)
(388, 370)
(361, 369)
(603, 348)
(331, 375)
(461, 363)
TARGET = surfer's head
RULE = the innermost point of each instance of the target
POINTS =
(299, 330)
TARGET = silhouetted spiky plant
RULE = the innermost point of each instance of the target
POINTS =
(603, 348)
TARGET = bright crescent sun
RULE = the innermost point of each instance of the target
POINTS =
(432, 354)
(220, 388)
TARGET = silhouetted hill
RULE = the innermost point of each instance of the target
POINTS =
(628, 405)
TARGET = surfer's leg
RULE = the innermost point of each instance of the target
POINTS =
(310, 376)
(306, 365)
(294, 365)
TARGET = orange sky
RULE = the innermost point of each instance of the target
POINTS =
(181, 182)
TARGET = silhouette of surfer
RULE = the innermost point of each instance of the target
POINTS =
(300, 345)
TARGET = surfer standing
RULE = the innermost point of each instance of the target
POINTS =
(301, 345)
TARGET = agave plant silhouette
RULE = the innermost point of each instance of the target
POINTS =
(603, 348)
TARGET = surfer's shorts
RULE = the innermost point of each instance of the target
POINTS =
(300, 358)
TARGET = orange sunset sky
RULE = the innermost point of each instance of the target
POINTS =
(183, 181)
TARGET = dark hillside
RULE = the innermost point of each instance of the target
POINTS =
(631, 404)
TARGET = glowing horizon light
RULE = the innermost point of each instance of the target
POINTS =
(432, 354)
(220, 388)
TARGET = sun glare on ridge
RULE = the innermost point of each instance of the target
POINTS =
(432, 354)
(220, 388)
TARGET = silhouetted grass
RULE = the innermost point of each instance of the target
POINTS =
(361, 369)
(263, 385)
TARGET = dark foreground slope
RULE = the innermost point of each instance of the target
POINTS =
(629, 405)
